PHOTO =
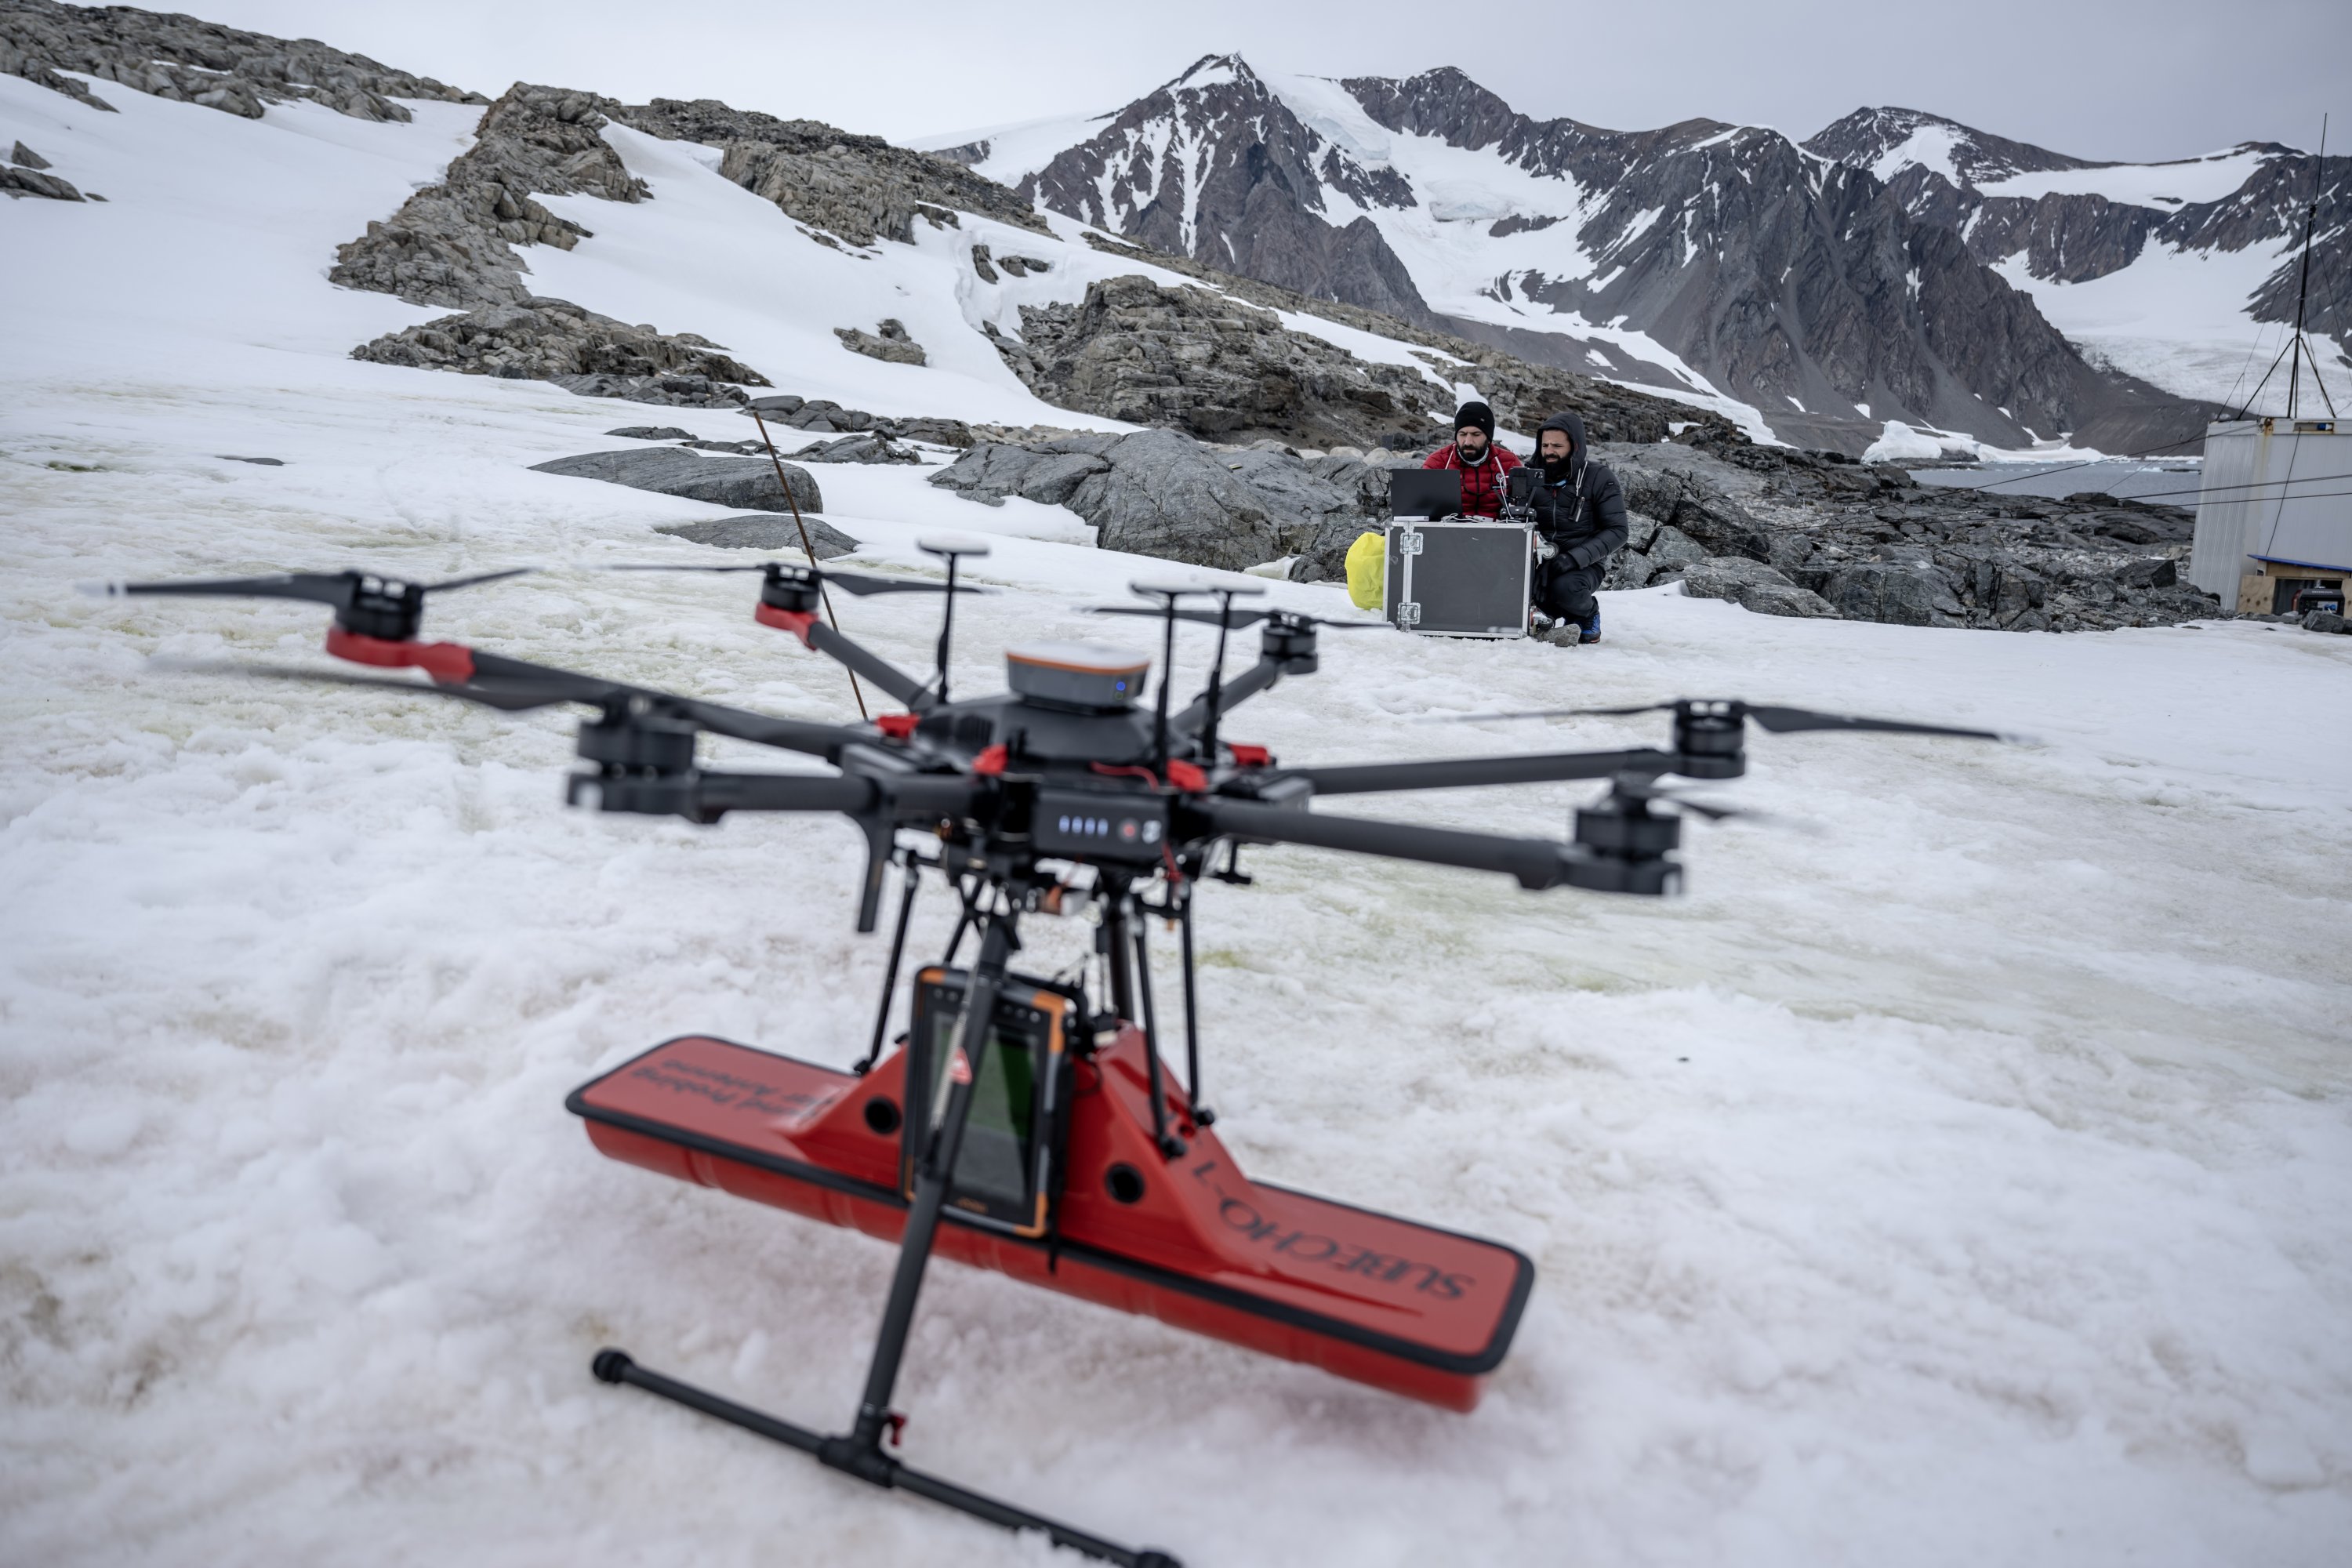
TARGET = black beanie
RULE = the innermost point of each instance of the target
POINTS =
(1476, 414)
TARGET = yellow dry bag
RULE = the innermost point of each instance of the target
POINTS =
(1368, 571)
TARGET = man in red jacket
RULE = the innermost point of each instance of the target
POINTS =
(1483, 462)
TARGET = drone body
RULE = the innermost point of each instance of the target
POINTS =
(1025, 1125)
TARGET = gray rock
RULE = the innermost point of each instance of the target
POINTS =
(2326, 621)
(19, 183)
(192, 61)
(263, 462)
(778, 406)
(890, 343)
(1160, 492)
(1671, 550)
(452, 244)
(1905, 595)
(936, 431)
(651, 433)
(980, 265)
(2147, 572)
(859, 189)
(24, 157)
(1754, 587)
(764, 531)
(1211, 367)
(863, 448)
(1022, 266)
(747, 484)
(554, 340)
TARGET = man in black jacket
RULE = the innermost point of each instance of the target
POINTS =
(1580, 508)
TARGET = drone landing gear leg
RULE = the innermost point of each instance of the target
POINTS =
(859, 1452)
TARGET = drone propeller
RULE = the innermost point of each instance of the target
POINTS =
(505, 697)
(1230, 620)
(1644, 787)
(859, 583)
(366, 604)
(1779, 721)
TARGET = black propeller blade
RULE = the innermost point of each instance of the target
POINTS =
(340, 589)
(1240, 619)
(508, 698)
(859, 582)
(366, 602)
(1779, 720)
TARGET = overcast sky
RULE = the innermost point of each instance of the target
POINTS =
(2136, 80)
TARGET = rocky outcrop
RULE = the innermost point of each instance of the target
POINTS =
(863, 449)
(1159, 493)
(858, 188)
(1873, 545)
(765, 531)
(25, 178)
(747, 484)
(554, 340)
(1211, 366)
(452, 244)
(1523, 393)
(1754, 586)
(192, 61)
(825, 415)
(888, 342)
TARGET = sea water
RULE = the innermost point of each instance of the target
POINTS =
(2172, 480)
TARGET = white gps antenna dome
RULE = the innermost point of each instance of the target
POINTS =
(1082, 677)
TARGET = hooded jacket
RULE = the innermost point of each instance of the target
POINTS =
(1482, 481)
(1583, 513)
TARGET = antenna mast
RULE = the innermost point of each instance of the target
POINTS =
(2303, 290)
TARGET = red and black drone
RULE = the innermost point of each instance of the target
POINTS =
(1033, 1125)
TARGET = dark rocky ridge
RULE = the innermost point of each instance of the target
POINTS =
(859, 188)
(1876, 546)
(193, 61)
(1523, 393)
(1211, 365)
(1256, 208)
(452, 244)
(535, 338)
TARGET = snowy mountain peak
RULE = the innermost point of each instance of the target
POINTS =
(1890, 142)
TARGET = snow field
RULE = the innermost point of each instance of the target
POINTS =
(1960, 1180)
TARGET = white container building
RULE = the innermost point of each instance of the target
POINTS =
(2274, 512)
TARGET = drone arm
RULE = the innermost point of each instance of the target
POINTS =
(1461, 773)
(824, 741)
(862, 661)
(1535, 863)
(1230, 694)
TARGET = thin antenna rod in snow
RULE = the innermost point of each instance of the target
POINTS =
(806, 548)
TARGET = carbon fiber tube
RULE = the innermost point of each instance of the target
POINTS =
(1535, 862)
(1462, 773)
(864, 661)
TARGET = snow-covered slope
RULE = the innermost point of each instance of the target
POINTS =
(1959, 1183)
(2183, 274)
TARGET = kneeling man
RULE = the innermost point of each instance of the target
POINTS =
(1581, 510)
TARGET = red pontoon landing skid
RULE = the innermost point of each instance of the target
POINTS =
(1193, 1242)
